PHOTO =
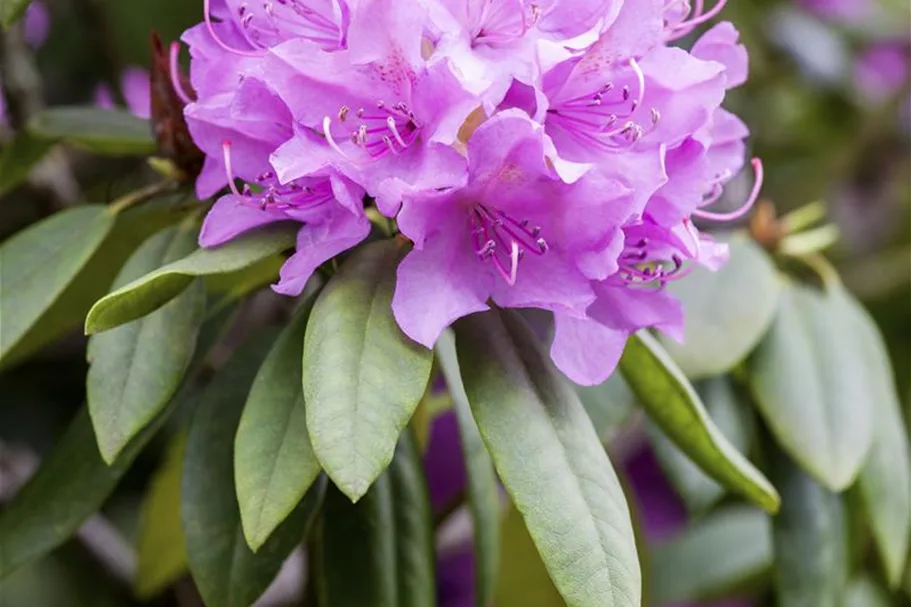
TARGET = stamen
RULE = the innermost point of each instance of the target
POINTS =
(754, 195)
(206, 4)
(685, 27)
(226, 150)
(327, 123)
(395, 133)
(176, 84)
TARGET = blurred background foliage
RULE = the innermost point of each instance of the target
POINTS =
(823, 133)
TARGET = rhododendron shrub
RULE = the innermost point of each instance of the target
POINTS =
(415, 303)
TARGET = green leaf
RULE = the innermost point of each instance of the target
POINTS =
(727, 312)
(150, 292)
(111, 132)
(810, 386)
(483, 492)
(357, 542)
(414, 545)
(674, 406)
(550, 460)
(162, 553)
(70, 485)
(363, 378)
(864, 592)
(885, 479)
(523, 579)
(19, 157)
(721, 553)
(11, 10)
(609, 404)
(136, 368)
(809, 538)
(274, 464)
(227, 573)
(384, 541)
(93, 280)
(38, 263)
(732, 417)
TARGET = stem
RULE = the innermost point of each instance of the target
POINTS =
(139, 196)
(803, 217)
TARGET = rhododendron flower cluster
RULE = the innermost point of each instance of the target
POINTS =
(542, 154)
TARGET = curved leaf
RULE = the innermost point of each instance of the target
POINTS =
(161, 550)
(727, 312)
(39, 263)
(384, 541)
(808, 380)
(674, 406)
(274, 464)
(131, 228)
(358, 543)
(363, 378)
(733, 419)
(227, 573)
(809, 538)
(414, 540)
(550, 460)
(112, 132)
(483, 493)
(885, 479)
(150, 292)
(136, 368)
(720, 553)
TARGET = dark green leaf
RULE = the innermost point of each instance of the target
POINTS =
(11, 10)
(523, 579)
(363, 378)
(162, 553)
(727, 312)
(864, 592)
(384, 541)
(136, 368)
(809, 538)
(93, 280)
(721, 553)
(113, 132)
(483, 493)
(550, 460)
(71, 484)
(885, 479)
(38, 263)
(227, 573)
(807, 376)
(19, 157)
(414, 540)
(150, 292)
(732, 417)
(674, 406)
(274, 464)
(609, 404)
(358, 543)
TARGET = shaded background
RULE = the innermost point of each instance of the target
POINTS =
(828, 103)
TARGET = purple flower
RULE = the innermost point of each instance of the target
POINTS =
(513, 232)
(543, 154)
